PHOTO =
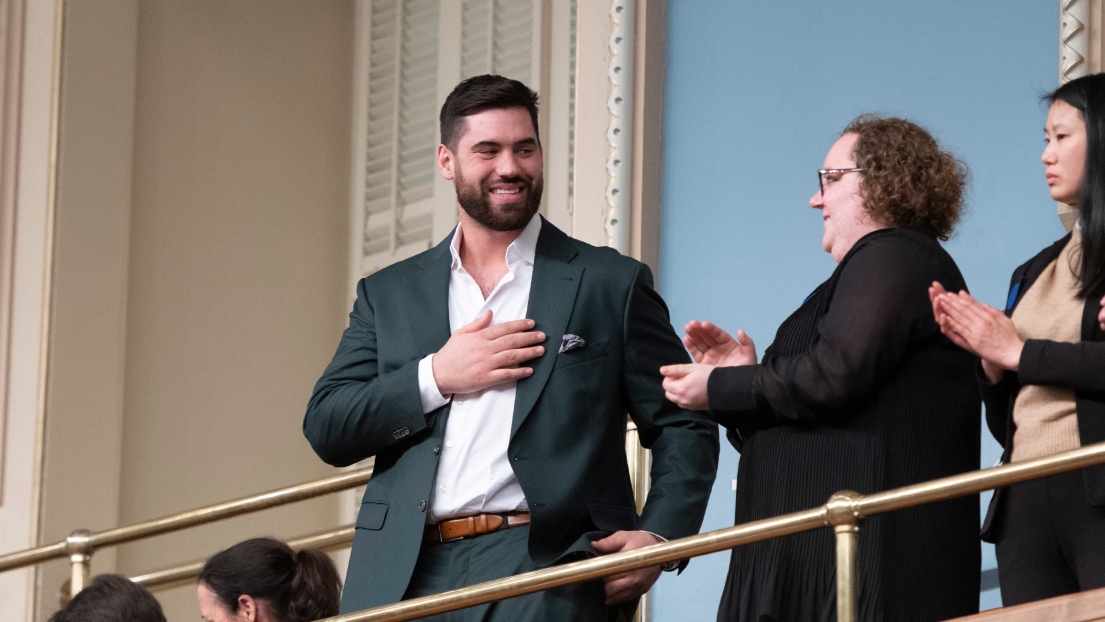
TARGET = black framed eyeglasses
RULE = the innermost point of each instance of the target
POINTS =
(822, 172)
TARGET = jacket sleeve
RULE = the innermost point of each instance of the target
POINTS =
(878, 308)
(996, 397)
(356, 411)
(1078, 366)
(684, 443)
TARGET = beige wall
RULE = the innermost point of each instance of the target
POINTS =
(84, 398)
(200, 267)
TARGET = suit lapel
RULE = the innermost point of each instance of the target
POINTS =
(427, 299)
(551, 299)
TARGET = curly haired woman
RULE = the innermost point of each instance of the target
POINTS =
(859, 391)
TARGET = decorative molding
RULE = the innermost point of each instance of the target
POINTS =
(619, 134)
(11, 76)
(1081, 30)
(1073, 39)
(572, 47)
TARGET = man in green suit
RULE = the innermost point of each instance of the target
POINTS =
(491, 376)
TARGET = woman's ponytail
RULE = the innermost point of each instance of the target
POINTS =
(296, 586)
(315, 588)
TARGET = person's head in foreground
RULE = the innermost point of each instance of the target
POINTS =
(887, 173)
(111, 598)
(264, 580)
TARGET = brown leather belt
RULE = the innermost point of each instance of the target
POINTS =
(472, 526)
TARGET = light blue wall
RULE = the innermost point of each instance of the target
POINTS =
(758, 91)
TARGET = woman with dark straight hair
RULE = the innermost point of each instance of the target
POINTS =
(264, 580)
(1043, 367)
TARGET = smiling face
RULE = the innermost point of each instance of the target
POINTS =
(496, 169)
(841, 204)
(1064, 156)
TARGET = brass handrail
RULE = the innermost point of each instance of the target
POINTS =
(80, 545)
(183, 574)
(843, 511)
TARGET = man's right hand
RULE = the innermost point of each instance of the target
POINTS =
(480, 355)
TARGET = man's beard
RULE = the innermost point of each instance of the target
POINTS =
(475, 200)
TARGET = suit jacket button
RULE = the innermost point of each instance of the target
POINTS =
(422, 506)
(437, 449)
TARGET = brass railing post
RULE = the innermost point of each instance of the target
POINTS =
(640, 465)
(842, 513)
(78, 546)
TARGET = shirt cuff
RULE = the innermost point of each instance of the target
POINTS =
(432, 399)
(667, 566)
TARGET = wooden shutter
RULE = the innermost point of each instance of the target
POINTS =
(410, 54)
(497, 37)
(400, 141)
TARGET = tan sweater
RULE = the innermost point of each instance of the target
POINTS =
(1045, 416)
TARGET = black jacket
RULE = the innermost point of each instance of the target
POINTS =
(1079, 366)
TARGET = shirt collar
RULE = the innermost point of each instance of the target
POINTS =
(523, 248)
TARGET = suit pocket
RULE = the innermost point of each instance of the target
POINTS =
(613, 517)
(372, 514)
(589, 352)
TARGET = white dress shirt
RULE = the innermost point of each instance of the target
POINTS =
(474, 475)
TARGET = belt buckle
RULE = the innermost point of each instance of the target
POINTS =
(441, 539)
(472, 522)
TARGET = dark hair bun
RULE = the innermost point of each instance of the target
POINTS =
(296, 586)
(316, 587)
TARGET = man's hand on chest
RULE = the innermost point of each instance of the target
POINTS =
(480, 355)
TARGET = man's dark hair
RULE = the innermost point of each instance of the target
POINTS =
(111, 598)
(297, 586)
(479, 93)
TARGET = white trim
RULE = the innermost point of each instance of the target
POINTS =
(359, 140)
(619, 134)
(33, 232)
(11, 60)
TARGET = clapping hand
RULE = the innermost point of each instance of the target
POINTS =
(713, 346)
(686, 384)
(978, 328)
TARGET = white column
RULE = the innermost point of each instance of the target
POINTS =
(35, 75)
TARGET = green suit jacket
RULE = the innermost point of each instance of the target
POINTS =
(567, 442)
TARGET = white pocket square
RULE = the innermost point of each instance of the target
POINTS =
(571, 342)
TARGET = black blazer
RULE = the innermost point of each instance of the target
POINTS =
(1079, 366)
